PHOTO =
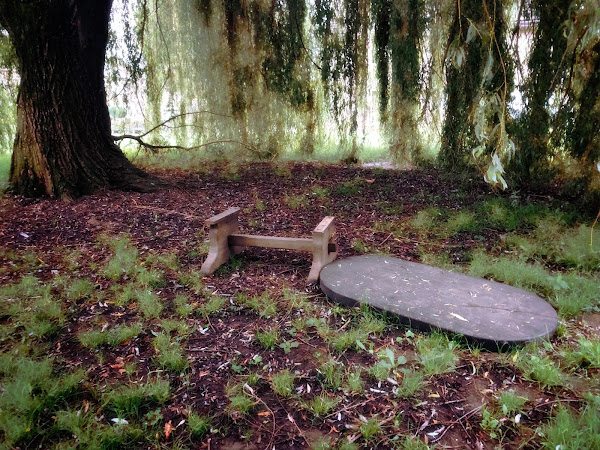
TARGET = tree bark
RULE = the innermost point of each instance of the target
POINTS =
(63, 145)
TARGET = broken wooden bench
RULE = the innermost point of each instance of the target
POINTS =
(225, 242)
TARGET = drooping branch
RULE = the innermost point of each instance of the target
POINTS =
(139, 138)
(164, 123)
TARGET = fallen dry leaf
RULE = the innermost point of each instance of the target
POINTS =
(168, 429)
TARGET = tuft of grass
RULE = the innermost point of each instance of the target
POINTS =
(349, 188)
(462, 221)
(193, 280)
(240, 402)
(131, 400)
(570, 293)
(331, 373)
(505, 215)
(370, 428)
(436, 354)
(124, 260)
(80, 288)
(412, 382)
(296, 201)
(571, 430)
(540, 369)
(322, 404)
(149, 304)
(586, 355)
(576, 248)
(354, 383)
(319, 192)
(180, 327)
(152, 279)
(35, 312)
(344, 340)
(32, 389)
(182, 306)
(427, 221)
(124, 295)
(212, 306)
(169, 353)
(360, 246)
(511, 403)
(283, 383)
(515, 272)
(413, 443)
(267, 337)
(262, 304)
(114, 336)
(198, 425)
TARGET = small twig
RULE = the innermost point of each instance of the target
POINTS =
(294, 423)
(386, 239)
(260, 400)
(167, 211)
(459, 420)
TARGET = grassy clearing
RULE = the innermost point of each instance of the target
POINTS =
(121, 345)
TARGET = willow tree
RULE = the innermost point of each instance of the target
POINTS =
(547, 69)
(399, 28)
(342, 34)
(479, 84)
(63, 144)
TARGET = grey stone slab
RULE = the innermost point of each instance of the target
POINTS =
(426, 297)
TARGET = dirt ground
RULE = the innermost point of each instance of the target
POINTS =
(446, 412)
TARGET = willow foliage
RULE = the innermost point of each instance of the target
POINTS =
(490, 84)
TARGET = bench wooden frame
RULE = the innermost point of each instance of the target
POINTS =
(225, 242)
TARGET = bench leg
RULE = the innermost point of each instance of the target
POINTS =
(219, 251)
(324, 250)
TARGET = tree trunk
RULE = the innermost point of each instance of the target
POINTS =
(63, 145)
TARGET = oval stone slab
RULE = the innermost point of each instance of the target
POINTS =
(426, 297)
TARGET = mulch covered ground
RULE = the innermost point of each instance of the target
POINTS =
(172, 220)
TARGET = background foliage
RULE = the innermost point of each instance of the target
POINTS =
(495, 85)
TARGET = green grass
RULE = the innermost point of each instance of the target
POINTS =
(427, 220)
(282, 383)
(539, 368)
(169, 354)
(296, 201)
(241, 403)
(212, 306)
(574, 248)
(4, 169)
(331, 373)
(198, 425)
(412, 383)
(436, 354)
(354, 383)
(30, 390)
(124, 260)
(585, 355)
(370, 428)
(132, 400)
(322, 404)
(570, 292)
(267, 337)
(33, 308)
(149, 304)
(130, 317)
(263, 304)
(114, 336)
(80, 289)
(570, 430)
